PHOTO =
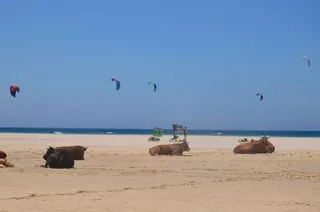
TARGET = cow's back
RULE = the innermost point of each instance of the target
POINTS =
(76, 151)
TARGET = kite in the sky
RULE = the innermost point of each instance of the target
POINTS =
(154, 85)
(117, 83)
(307, 59)
(261, 96)
(14, 89)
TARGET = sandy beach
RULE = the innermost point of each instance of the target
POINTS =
(119, 175)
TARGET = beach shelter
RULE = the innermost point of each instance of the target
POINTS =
(178, 130)
(157, 133)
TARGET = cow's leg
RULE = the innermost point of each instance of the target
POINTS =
(46, 165)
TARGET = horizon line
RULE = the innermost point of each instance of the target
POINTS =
(15, 127)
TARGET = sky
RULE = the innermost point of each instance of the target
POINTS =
(209, 58)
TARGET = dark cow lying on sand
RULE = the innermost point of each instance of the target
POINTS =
(5, 163)
(58, 159)
(2, 155)
(77, 152)
(169, 149)
(255, 147)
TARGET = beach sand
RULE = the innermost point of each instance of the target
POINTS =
(119, 175)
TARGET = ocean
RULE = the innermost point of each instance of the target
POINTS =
(243, 133)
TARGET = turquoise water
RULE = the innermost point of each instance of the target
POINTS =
(166, 132)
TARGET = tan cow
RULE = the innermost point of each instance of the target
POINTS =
(5, 163)
(260, 146)
(169, 149)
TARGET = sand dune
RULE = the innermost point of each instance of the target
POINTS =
(119, 175)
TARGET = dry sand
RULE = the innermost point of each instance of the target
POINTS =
(119, 175)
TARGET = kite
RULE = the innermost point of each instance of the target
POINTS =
(117, 83)
(307, 59)
(261, 96)
(14, 89)
(154, 85)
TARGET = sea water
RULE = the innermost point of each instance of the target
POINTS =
(110, 131)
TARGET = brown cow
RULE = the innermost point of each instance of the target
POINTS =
(2, 155)
(76, 151)
(255, 147)
(169, 149)
(5, 163)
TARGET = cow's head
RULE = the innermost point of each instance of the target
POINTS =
(263, 145)
(268, 146)
(185, 146)
(50, 150)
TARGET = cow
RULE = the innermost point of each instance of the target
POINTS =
(5, 163)
(260, 146)
(77, 151)
(169, 149)
(58, 159)
(3, 155)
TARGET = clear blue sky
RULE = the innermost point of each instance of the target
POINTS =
(209, 59)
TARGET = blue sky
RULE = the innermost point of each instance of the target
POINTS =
(209, 59)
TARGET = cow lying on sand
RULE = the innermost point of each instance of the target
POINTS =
(77, 151)
(58, 159)
(260, 146)
(169, 149)
(2, 155)
(5, 163)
